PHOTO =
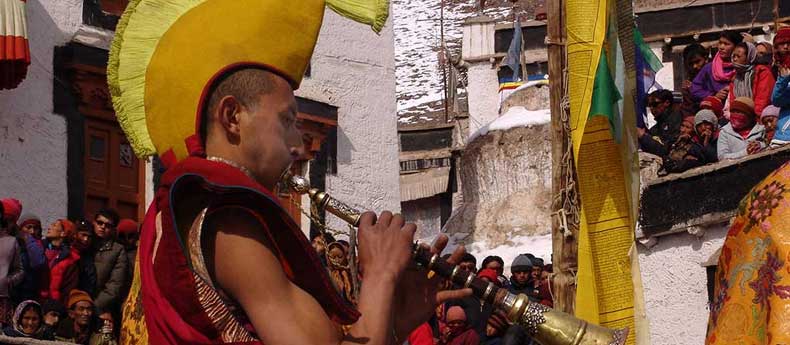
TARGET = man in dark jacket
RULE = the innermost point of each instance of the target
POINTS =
(111, 263)
(521, 270)
(657, 139)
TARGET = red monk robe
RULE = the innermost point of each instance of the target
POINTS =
(177, 302)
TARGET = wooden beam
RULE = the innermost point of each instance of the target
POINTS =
(564, 247)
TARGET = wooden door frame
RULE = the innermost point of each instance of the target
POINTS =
(69, 60)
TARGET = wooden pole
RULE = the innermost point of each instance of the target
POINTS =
(444, 63)
(565, 245)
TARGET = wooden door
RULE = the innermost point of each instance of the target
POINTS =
(114, 177)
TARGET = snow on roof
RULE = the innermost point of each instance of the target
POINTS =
(417, 41)
(516, 116)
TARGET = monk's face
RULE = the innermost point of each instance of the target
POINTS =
(269, 140)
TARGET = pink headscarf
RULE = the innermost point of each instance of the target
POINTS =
(718, 69)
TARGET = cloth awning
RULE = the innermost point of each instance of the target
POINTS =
(14, 48)
(424, 184)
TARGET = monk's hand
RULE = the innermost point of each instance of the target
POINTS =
(417, 295)
(385, 245)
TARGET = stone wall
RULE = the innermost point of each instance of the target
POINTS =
(506, 183)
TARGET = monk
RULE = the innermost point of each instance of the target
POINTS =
(259, 133)
(220, 261)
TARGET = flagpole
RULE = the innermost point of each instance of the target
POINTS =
(443, 63)
(565, 228)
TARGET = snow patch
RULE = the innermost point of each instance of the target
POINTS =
(516, 116)
(538, 245)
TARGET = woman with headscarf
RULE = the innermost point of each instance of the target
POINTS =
(340, 272)
(714, 78)
(750, 80)
(28, 322)
(765, 54)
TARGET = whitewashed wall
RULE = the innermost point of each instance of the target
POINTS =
(32, 137)
(483, 91)
(675, 285)
(354, 69)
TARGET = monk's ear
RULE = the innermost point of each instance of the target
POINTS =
(228, 115)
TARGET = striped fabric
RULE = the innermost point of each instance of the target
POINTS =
(14, 48)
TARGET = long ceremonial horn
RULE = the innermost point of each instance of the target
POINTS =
(545, 325)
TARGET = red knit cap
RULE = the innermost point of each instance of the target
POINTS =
(127, 226)
(12, 209)
(69, 229)
(782, 36)
(714, 104)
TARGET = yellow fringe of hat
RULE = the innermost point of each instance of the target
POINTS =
(166, 54)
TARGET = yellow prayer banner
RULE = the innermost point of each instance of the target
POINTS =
(605, 290)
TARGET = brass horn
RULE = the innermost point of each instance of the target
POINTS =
(545, 325)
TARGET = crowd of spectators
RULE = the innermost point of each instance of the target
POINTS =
(734, 103)
(460, 322)
(67, 282)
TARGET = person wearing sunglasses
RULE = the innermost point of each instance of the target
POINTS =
(110, 261)
(658, 138)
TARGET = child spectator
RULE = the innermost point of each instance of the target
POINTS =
(28, 323)
(53, 311)
(458, 332)
(714, 78)
(769, 119)
(743, 135)
(750, 81)
(695, 56)
(657, 139)
(707, 130)
(684, 153)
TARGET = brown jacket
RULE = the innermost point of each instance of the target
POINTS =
(111, 275)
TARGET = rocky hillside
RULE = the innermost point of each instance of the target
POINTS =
(417, 40)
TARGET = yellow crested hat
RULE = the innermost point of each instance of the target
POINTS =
(167, 53)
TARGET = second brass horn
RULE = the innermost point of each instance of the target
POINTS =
(546, 326)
